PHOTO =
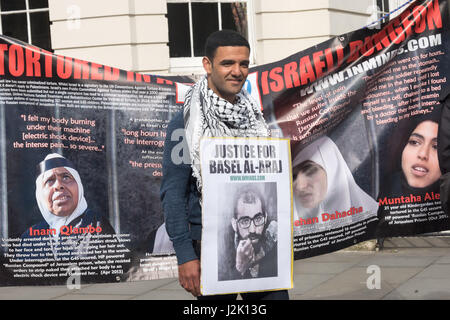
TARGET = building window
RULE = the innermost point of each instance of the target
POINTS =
(26, 20)
(383, 7)
(398, 4)
(192, 21)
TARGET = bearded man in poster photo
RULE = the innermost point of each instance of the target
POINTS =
(254, 250)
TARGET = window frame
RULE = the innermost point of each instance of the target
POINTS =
(382, 10)
(27, 12)
(395, 4)
(194, 63)
(387, 6)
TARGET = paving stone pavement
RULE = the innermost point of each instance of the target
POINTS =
(409, 268)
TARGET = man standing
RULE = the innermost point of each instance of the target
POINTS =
(215, 106)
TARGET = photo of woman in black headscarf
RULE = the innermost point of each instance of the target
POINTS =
(412, 179)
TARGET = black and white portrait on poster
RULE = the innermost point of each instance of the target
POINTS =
(247, 214)
(248, 234)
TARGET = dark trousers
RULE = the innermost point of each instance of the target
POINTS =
(261, 295)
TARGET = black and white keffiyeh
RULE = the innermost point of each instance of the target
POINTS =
(208, 115)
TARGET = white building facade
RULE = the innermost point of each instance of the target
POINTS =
(167, 36)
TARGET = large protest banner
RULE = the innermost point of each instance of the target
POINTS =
(349, 106)
(353, 107)
(111, 125)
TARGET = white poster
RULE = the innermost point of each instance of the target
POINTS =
(247, 215)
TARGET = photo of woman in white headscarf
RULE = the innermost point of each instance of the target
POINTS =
(323, 183)
(68, 224)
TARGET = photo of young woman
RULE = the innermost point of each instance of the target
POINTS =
(420, 164)
(414, 175)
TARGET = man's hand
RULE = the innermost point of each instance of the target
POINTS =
(189, 276)
(245, 255)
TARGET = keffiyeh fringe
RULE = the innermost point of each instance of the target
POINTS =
(208, 115)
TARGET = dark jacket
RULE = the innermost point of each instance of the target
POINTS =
(444, 149)
(179, 195)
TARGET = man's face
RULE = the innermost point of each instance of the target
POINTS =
(60, 191)
(227, 71)
(310, 189)
(250, 220)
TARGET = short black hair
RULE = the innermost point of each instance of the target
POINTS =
(249, 194)
(224, 38)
